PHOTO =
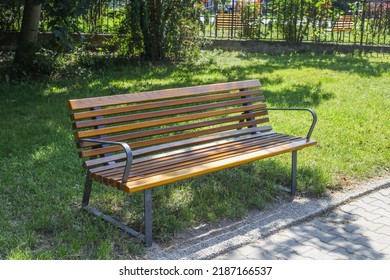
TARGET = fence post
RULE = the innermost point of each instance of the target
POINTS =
(232, 22)
(363, 22)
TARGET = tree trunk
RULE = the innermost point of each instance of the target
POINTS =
(31, 15)
(29, 31)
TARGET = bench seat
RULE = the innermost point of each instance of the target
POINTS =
(178, 164)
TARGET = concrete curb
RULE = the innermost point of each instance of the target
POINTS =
(207, 242)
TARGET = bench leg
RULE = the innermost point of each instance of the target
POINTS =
(294, 173)
(148, 217)
(147, 237)
(87, 190)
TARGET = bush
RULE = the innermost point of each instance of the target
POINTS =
(34, 61)
(162, 29)
(294, 17)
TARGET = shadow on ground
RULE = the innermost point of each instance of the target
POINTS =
(279, 232)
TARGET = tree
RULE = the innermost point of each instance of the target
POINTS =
(30, 22)
(61, 17)
(29, 32)
(159, 29)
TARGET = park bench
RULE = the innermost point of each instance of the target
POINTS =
(234, 23)
(229, 21)
(136, 142)
(343, 23)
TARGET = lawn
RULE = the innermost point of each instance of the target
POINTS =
(41, 178)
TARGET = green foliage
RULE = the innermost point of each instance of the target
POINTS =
(162, 29)
(62, 19)
(251, 13)
(9, 14)
(294, 17)
(34, 62)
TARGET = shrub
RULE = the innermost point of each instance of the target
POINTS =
(162, 29)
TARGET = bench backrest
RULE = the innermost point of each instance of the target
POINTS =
(169, 118)
(344, 23)
(228, 21)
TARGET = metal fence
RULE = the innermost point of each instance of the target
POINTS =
(101, 17)
(360, 22)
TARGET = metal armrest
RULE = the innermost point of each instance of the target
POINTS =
(126, 148)
(301, 109)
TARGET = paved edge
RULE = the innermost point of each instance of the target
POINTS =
(209, 243)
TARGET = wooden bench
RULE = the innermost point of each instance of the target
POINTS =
(232, 23)
(135, 142)
(344, 23)
(229, 21)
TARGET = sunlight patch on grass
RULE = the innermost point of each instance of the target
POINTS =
(45, 153)
(54, 90)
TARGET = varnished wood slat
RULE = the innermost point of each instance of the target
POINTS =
(85, 103)
(212, 152)
(197, 170)
(195, 134)
(162, 104)
(175, 129)
(159, 122)
(204, 160)
(162, 113)
(190, 159)
(96, 164)
(157, 164)
(99, 151)
(142, 154)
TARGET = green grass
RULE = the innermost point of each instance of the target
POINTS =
(41, 178)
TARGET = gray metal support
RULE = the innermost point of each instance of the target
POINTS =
(87, 190)
(294, 173)
(147, 237)
(148, 214)
(148, 217)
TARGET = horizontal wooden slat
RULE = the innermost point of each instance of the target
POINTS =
(176, 138)
(200, 169)
(140, 172)
(194, 136)
(159, 122)
(205, 160)
(85, 103)
(162, 113)
(175, 129)
(142, 155)
(162, 104)
(218, 152)
(176, 144)
(220, 148)
(192, 156)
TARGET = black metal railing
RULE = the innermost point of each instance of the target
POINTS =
(101, 17)
(360, 22)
